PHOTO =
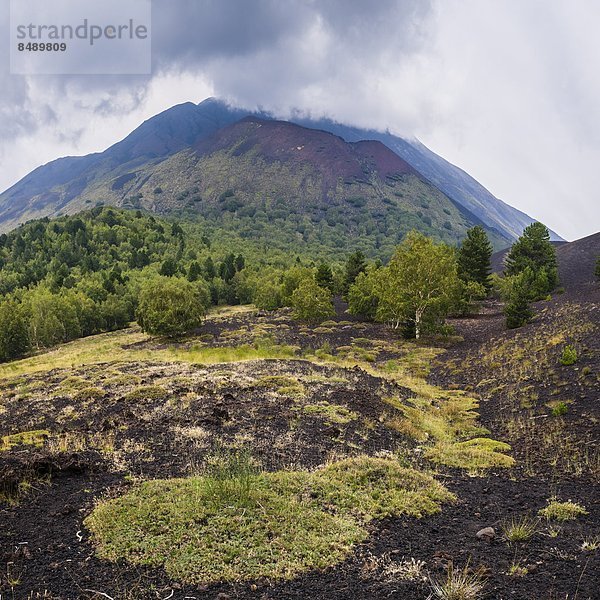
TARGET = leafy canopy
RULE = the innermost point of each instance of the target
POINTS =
(171, 306)
(420, 284)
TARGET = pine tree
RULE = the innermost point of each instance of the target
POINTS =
(518, 310)
(194, 272)
(240, 262)
(168, 267)
(533, 250)
(324, 276)
(209, 268)
(227, 268)
(354, 266)
(474, 257)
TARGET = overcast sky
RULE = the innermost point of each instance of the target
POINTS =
(509, 90)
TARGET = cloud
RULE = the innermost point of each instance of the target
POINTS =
(507, 90)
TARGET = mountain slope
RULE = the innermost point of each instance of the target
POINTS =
(267, 169)
(162, 152)
(453, 181)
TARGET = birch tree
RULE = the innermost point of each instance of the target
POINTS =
(419, 285)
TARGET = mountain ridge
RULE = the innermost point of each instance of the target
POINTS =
(71, 183)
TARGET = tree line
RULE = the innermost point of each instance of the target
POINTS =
(98, 271)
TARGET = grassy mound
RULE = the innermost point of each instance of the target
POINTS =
(235, 524)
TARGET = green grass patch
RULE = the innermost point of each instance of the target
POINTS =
(449, 424)
(288, 522)
(147, 392)
(89, 394)
(332, 413)
(282, 384)
(473, 455)
(562, 511)
(25, 438)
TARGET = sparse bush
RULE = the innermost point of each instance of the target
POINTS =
(568, 356)
(562, 511)
(459, 584)
(519, 529)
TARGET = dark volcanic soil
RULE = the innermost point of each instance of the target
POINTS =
(168, 429)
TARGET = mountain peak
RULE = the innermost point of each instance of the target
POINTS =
(334, 153)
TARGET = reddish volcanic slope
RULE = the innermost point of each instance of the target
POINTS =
(294, 145)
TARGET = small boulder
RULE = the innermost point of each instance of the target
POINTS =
(487, 533)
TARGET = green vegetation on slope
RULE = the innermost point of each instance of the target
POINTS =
(280, 525)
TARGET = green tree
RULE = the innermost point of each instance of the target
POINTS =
(517, 309)
(292, 278)
(355, 265)
(324, 276)
(240, 262)
(419, 286)
(52, 319)
(210, 270)
(267, 295)
(227, 268)
(363, 296)
(116, 313)
(597, 270)
(311, 302)
(171, 306)
(194, 272)
(168, 268)
(14, 335)
(474, 257)
(534, 250)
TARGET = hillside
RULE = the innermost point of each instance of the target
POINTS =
(191, 152)
(107, 446)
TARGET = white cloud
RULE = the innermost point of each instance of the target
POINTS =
(506, 89)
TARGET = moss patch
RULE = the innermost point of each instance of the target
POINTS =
(290, 522)
(25, 438)
(562, 511)
(281, 384)
(474, 454)
(332, 413)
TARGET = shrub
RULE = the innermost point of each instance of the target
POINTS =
(311, 302)
(171, 306)
(568, 356)
(560, 409)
